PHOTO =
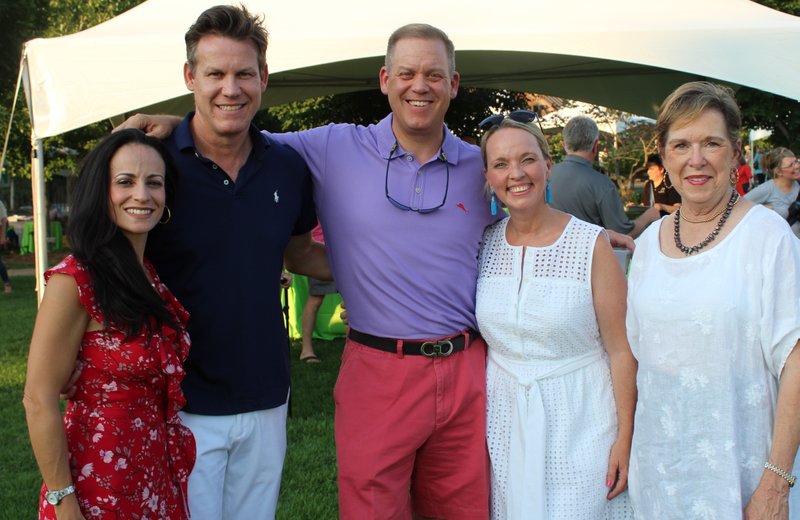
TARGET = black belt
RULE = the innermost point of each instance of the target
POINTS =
(431, 348)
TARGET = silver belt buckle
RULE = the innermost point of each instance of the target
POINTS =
(437, 348)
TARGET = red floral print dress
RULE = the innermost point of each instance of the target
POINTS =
(129, 454)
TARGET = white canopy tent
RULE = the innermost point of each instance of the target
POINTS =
(626, 54)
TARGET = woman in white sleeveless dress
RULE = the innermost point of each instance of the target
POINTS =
(551, 306)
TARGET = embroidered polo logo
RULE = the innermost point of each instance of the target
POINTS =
(462, 207)
(275, 196)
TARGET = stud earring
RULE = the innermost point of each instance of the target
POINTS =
(493, 202)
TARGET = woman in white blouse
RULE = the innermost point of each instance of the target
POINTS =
(718, 416)
(551, 306)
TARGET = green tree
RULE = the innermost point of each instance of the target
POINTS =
(23, 21)
(71, 16)
(785, 6)
(18, 22)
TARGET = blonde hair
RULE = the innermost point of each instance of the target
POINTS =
(531, 128)
(690, 100)
(771, 161)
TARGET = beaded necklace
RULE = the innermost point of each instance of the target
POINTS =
(710, 238)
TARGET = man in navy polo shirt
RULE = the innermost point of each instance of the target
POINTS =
(243, 207)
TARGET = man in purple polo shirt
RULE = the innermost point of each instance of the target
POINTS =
(403, 211)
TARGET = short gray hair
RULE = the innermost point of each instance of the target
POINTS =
(580, 133)
(425, 32)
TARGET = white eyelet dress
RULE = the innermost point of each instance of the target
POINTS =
(551, 418)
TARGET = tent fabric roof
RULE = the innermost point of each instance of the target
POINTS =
(626, 54)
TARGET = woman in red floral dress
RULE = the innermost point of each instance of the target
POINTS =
(121, 451)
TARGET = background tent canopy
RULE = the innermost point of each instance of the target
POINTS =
(626, 54)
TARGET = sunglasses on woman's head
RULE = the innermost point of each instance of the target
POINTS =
(520, 116)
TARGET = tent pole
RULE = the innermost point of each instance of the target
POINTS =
(37, 187)
(39, 215)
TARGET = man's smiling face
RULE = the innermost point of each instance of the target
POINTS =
(419, 86)
(227, 85)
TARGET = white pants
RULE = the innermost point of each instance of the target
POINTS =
(237, 474)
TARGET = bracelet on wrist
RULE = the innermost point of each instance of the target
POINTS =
(791, 479)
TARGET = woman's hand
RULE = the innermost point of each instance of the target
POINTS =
(618, 460)
(770, 500)
(68, 509)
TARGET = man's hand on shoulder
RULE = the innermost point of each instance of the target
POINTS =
(286, 279)
(71, 386)
(620, 240)
(160, 126)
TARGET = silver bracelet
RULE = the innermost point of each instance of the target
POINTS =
(791, 479)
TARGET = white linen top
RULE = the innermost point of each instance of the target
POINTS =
(711, 332)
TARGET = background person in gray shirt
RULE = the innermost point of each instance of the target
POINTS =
(582, 191)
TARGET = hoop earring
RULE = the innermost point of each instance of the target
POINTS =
(548, 195)
(169, 216)
(493, 201)
(667, 184)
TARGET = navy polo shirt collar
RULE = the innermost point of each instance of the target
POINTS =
(185, 141)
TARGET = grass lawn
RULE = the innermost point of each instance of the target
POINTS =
(308, 489)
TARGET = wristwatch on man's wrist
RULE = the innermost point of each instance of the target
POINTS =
(54, 497)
